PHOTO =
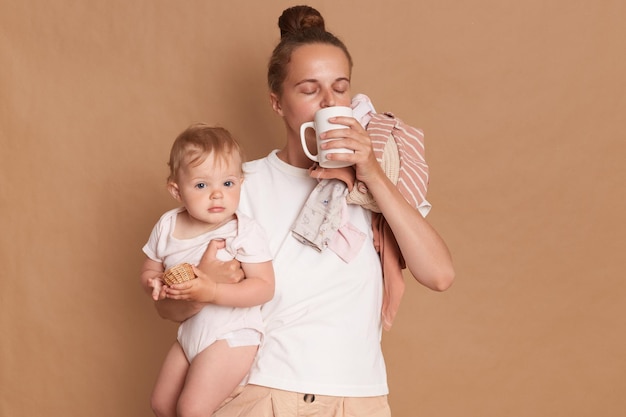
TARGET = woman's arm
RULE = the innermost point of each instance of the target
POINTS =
(177, 311)
(425, 253)
(211, 270)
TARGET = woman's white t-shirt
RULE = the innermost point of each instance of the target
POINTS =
(323, 327)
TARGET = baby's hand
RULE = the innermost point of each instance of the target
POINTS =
(157, 288)
(201, 289)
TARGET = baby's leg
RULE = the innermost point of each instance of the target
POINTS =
(213, 374)
(170, 382)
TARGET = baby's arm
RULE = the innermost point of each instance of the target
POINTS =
(151, 278)
(257, 287)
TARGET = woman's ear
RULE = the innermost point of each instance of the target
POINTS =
(172, 187)
(275, 101)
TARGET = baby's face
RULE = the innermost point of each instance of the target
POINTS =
(210, 191)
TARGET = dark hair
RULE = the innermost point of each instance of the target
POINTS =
(299, 25)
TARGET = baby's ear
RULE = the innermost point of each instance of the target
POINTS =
(172, 187)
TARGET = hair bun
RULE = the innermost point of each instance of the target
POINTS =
(298, 18)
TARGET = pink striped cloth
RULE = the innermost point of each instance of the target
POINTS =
(399, 148)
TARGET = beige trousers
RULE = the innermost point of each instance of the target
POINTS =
(257, 401)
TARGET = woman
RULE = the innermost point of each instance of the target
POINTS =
(321, 355)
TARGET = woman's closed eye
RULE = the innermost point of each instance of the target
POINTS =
(341, 87)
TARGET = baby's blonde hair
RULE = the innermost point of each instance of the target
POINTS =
(193, 145)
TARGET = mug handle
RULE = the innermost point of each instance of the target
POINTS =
(303, 128)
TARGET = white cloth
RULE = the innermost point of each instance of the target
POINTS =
(245, 240)
(323, 326)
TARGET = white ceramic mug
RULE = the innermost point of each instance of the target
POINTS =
(321, 124)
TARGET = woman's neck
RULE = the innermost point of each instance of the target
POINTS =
(294, 155)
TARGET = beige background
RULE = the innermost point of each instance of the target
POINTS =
(523, 105)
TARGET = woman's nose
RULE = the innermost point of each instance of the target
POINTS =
(328, 99)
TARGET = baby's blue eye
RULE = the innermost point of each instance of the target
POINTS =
(201, 185)
(228, 184)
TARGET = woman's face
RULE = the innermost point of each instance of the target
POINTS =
(318, 76)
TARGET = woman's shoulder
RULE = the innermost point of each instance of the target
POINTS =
(257, 172)
(256, 165)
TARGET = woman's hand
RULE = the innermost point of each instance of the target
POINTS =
(210, 271)
(224, 272)
(354, 137)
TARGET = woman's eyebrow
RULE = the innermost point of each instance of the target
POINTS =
(308, 80)
(314, 80)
